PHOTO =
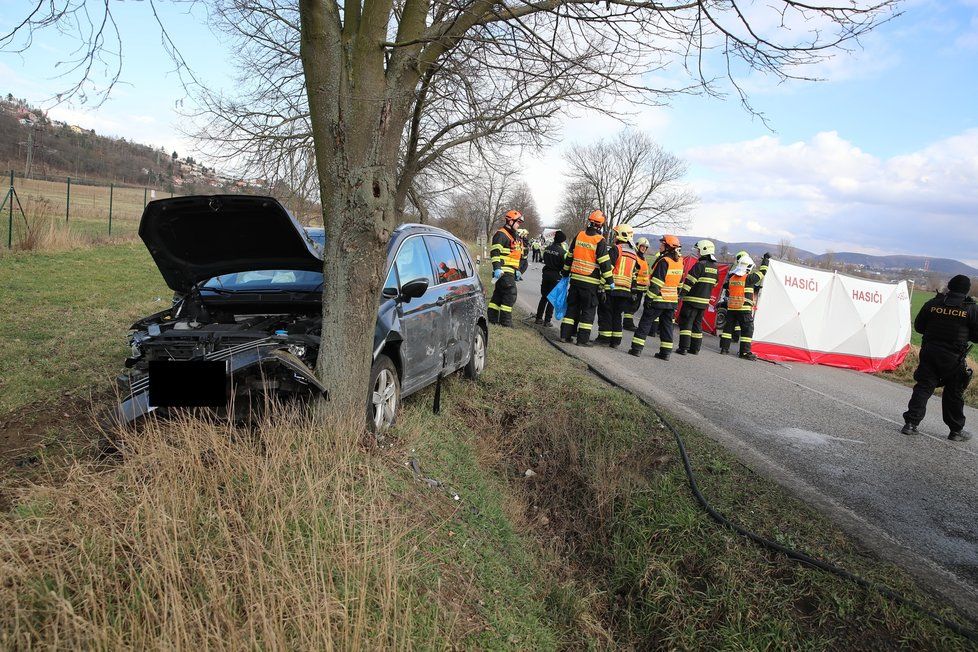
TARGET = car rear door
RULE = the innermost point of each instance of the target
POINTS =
(422, 328)
(456, 287)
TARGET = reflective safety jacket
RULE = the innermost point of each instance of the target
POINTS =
(624, 269)
(642, 275)
(667, 272)
(740, 289)
(699, 284)
(506, 251)
(587, 260)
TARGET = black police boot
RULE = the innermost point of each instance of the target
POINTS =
(584, 338)
(959, 435)
(662, 355)
(694, 346)
(636, 352)
(602, 339)
(628, 325)
(681, 351)
(615, 342)
(724, 347)
(548, 323)
(537, 321)
(909, 429)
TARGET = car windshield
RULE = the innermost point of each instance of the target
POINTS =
(263, 280)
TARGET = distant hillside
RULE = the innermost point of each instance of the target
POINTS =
(62, 149)
(893, 263)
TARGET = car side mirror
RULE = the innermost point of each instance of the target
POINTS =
(414, 289)
(389, 293)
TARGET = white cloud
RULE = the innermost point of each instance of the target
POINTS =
(825, 192)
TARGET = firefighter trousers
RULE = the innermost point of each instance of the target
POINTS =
(610, 316)
(634, 305)
(652, 315)
(744, 320)
(503, 299)
(691, 328)
(939, 367)
(582, 301)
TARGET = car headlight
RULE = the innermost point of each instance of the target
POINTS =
(298, 350)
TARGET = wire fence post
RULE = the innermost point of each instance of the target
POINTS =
(10, 218)
(144, 197)
(68, 200)
(111, 190)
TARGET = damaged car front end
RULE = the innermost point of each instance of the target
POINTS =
(245, 324)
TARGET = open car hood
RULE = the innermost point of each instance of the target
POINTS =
(196, 238)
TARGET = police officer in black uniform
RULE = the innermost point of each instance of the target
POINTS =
(553, 262)
(947, 322)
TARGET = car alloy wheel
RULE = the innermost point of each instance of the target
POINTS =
(384, 399)
(477, 362)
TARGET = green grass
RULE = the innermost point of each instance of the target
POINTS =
(66, 316)
(601, 547)
(649, 569)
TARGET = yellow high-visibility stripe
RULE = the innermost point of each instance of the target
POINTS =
(665, 345)
(639, 341)
(506, 308)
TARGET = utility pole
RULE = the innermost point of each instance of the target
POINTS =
(30, 152)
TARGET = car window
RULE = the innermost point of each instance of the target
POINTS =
(412, 261)
(267, 279)
(390, 285)
(443, 256)
(463, 258)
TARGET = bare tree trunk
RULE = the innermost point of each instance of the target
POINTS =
(357, 190)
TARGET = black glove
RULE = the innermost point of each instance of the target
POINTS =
(602, 297)
(766, 257)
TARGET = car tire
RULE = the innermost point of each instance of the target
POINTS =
(477, 361)
(385, 395)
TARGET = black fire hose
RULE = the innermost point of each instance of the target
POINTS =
(800, 557)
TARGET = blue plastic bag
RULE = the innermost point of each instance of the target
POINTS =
(558, 298)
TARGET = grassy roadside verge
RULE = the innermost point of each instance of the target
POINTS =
(65, 318)
(299, 535)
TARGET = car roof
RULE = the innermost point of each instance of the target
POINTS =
(413, 228)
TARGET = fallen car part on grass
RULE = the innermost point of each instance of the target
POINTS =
(795, 555)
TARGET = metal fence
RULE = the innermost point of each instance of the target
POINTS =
(88, 207)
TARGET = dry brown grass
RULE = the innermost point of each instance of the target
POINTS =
(208, 537)
(40, 228)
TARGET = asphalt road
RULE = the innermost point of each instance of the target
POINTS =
(833, 438)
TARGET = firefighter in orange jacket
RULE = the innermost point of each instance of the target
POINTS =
(624, 271)
(740, 286)
(661, 299)
(588, 265)
(641, 285)
(506, 252)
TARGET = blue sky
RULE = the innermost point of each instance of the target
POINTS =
(880, 157)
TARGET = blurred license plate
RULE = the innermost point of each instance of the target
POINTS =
(188, 383)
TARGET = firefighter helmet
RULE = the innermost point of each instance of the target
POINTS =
(624, 233)
(642, 242)
(706, 248)
(670, 241)
(513, 216)
(596, 217)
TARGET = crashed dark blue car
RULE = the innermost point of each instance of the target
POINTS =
(246, 318)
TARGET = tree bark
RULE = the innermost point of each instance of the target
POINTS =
(351, 132)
